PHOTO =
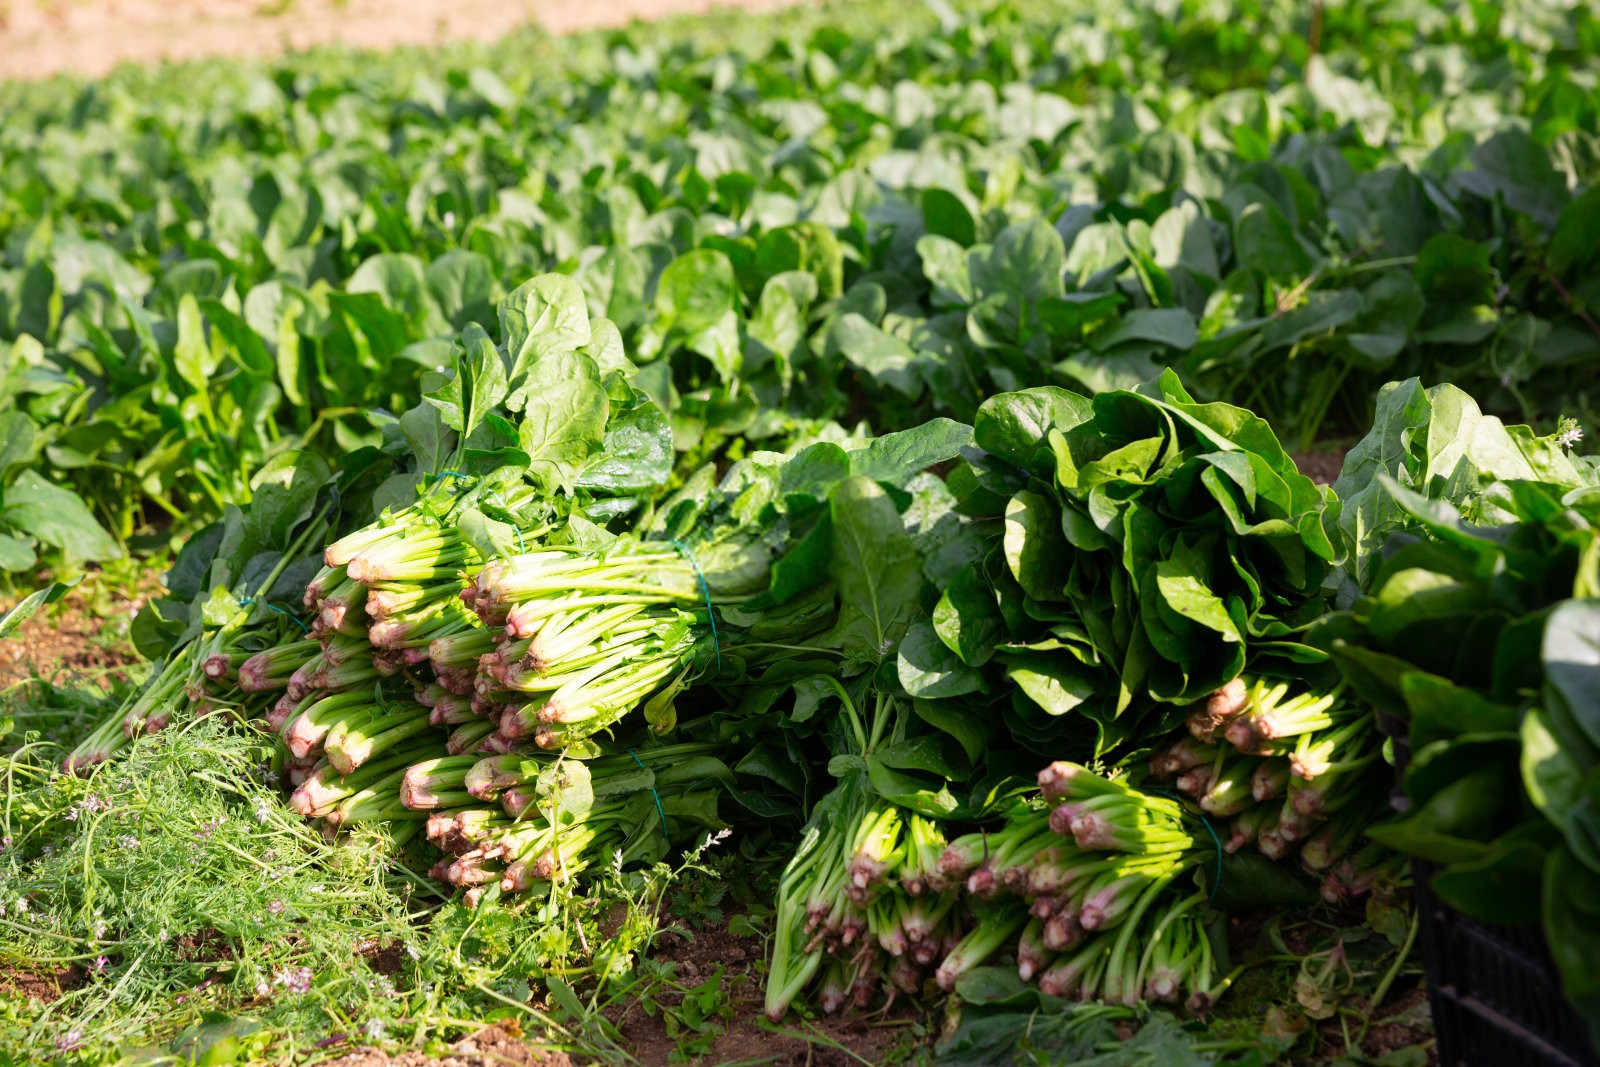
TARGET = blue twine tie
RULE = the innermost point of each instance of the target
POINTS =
(515, 528)
(659, 809)
(285, 612)
(705, 591)
(1215, 840)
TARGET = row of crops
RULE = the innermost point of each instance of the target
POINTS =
(867, 430)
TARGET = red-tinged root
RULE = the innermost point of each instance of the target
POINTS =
(80, 764)
(1164, 985)
(1055, 781)
(516, 801)
(498, 744)
(511, 722)
(1061, 817)
(1272, 845)
(1220, 708)
(1062, 931)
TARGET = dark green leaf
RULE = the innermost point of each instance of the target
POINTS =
(894, 457)
(928, 669)
(564, 415)
(876, 568)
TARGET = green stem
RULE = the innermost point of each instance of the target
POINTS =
(850, 712)
(1382, 990)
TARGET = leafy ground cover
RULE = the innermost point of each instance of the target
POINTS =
(561, 454)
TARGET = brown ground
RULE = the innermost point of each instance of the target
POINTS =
(739, 1034)
(39, 985)
(1402, 1022)
(89, 37)
(1321, 467)
(748, 1038)
(492, 1046)
(68, 640)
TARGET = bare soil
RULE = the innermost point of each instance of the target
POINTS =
(46, 986)
(827, 1041)
(493, 1046)
(90, 37)
(67, 639)
(1402, 1022)
(1321, 466)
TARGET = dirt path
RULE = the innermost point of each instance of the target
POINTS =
(89, 37)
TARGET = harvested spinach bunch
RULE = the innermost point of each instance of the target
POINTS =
(1136, 549)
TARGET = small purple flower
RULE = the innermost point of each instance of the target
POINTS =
(100, 964)
(296, 980)
(70, 1040)
(275, 906)
(87, 806)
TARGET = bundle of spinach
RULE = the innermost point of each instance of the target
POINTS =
(1133, 551)
(504, 438)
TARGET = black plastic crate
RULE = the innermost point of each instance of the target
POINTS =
(1495, 993)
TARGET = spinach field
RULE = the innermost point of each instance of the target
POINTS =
(780, 538)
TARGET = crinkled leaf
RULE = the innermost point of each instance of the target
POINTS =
(563, 417)
(894, 457)
(876, 568)
(543, 315)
